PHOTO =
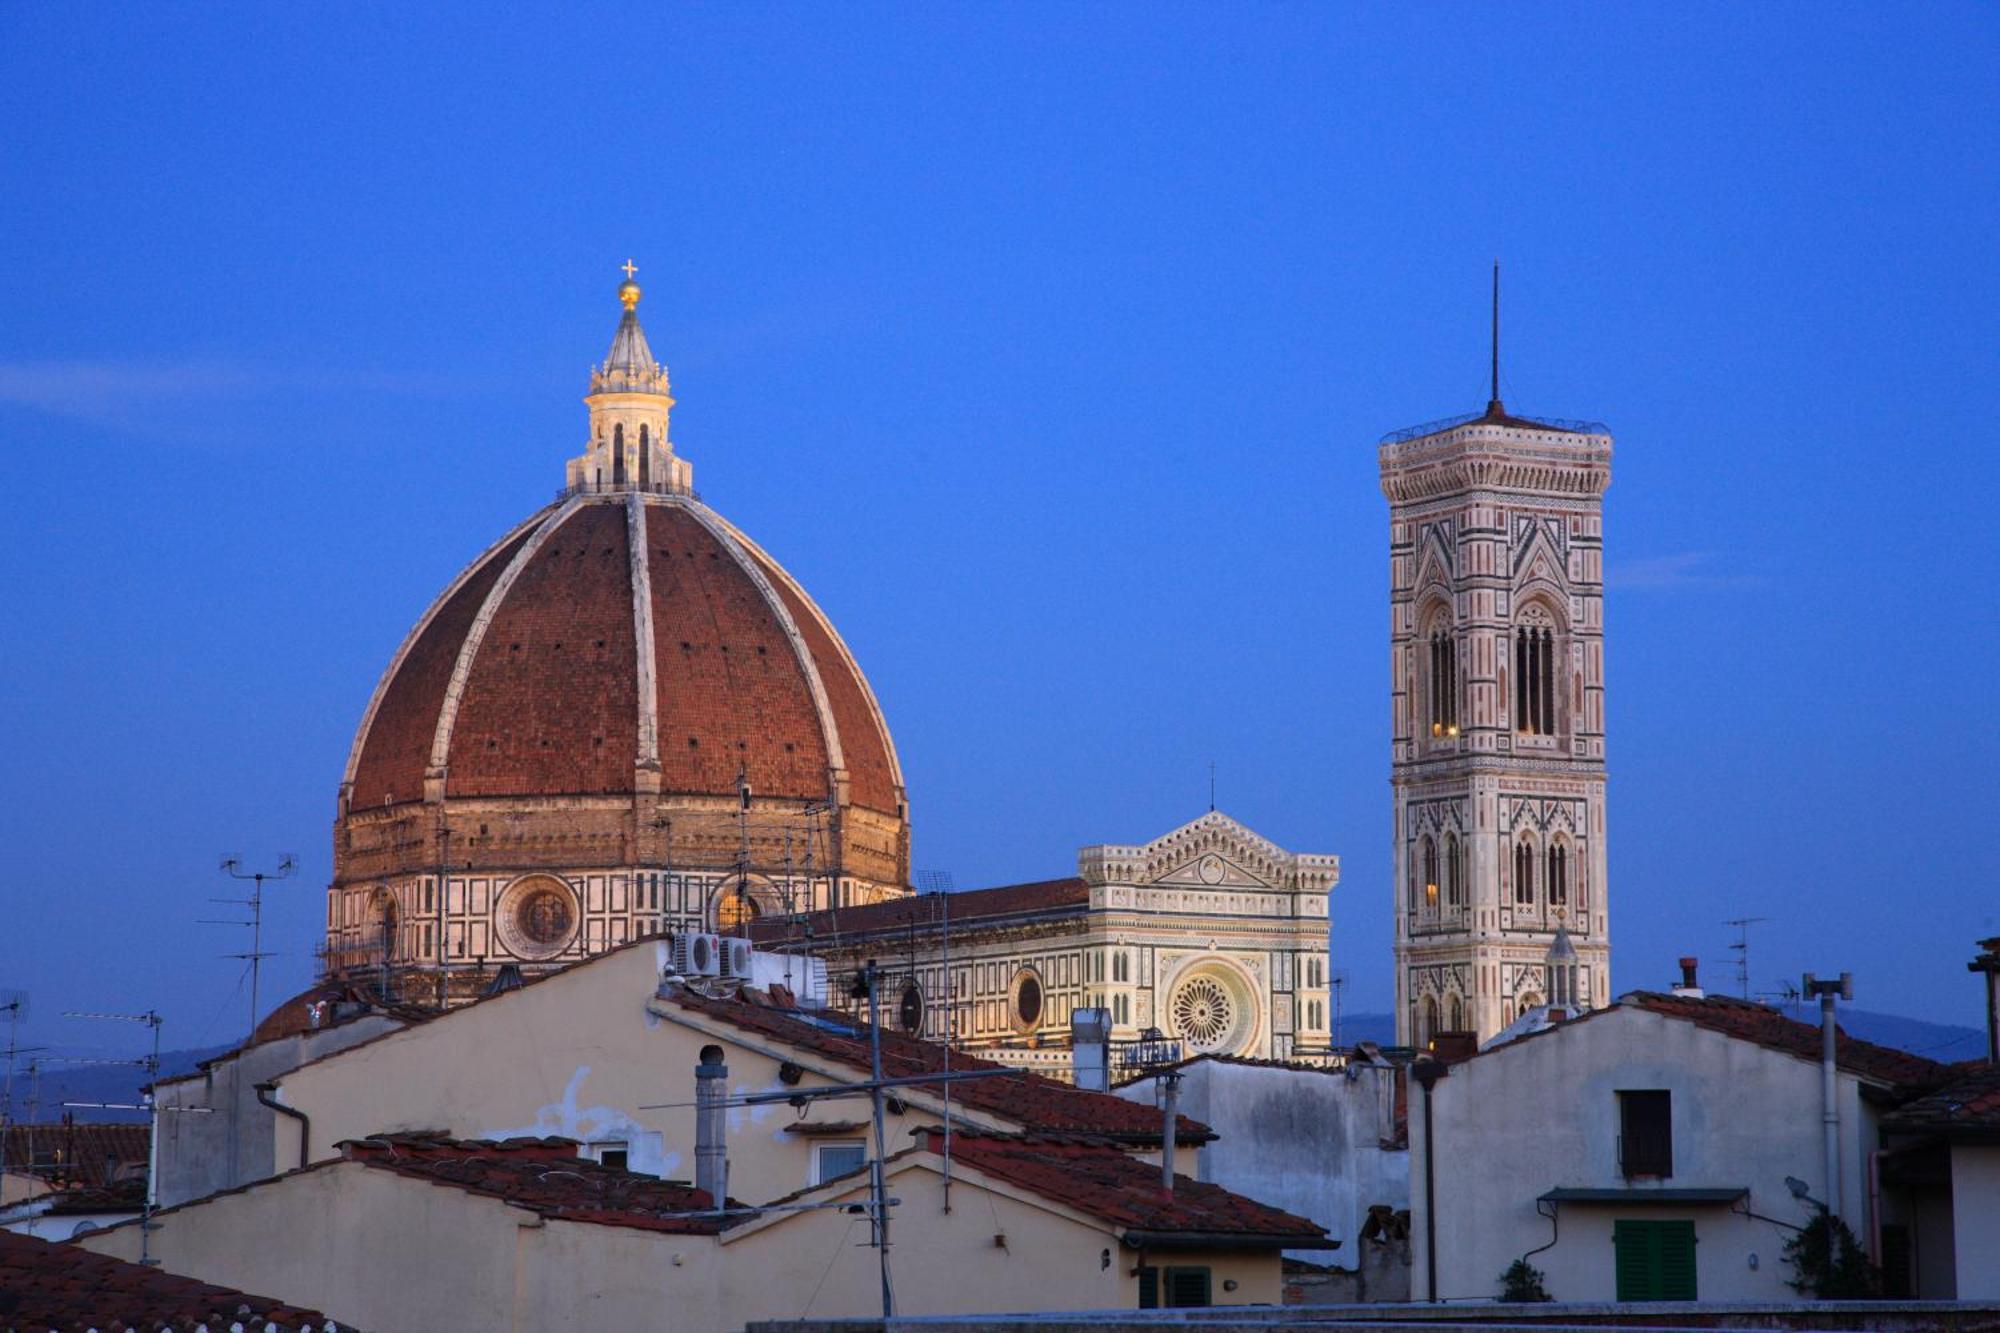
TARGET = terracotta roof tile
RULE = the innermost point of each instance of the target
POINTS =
(1031, 1101)
(544, 1176)
(1969, 1102)
(927, 910)
(51, 1288)
(1771, 1029)
(1099, 1179)
(88, 1155)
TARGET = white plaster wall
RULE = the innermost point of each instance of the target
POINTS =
(1975, 1203)
(1307, 1141)
(1542, 1113)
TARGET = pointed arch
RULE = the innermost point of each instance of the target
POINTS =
(1557, 873)
(618, 454)
(1524, 873)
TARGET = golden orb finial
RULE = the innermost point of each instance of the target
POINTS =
(628, 290)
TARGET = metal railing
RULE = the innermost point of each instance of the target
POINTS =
(1422, 429)
(615, 488)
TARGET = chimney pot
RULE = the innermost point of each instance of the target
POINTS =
(1687, 973)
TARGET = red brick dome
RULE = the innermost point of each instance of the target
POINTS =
(618, 643)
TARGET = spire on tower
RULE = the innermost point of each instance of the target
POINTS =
(629, 402)
(1493, 405)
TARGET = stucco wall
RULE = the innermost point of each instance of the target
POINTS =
(1542, 1113)
(1307, 1141)
(238, 1140)
(393, 1254)
(1975, 1203)
(579, 1055)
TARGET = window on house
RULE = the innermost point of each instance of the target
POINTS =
(615, 1153)
(1655, 1260)
(1646, 1133)
(1178, 1287)
(837, 1158)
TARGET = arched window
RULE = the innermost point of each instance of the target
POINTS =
(1535, 677)
(1430, 1024)
(618, 455)
(1524, 874)
(1430, 875)
(1443, 683)
(1559, 876)
(645, 457)
(1456, 1013)
(1454, 872)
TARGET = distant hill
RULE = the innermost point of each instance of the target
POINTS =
(43, 1099)
(1943, 1042)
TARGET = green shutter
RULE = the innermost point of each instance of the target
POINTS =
(1149, 1288)
(1655, 1260)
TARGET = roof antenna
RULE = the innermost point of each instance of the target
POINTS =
(1493, 407)
(1211, 786)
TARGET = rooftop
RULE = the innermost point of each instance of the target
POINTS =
(1097, 1178)
(88, 1155)
(1031, 1101)
(930, 911)
(51, 1288)
(1970, 1102)
(1750, 1021)
(544, 1176)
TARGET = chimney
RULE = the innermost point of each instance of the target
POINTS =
(711, 1153)
(1989, 963)
(1689, 988)
(1090, 1049)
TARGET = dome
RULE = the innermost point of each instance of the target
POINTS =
(623, 686)
(561, 663)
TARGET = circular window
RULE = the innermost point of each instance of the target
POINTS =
(1027, 999)
(1210, 1011)
(910, 1009)
(537, 916)
(735, 910)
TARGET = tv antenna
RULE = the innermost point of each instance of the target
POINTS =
(14, 1004)
(232, 866)
(1338, 978)
(1742, 949)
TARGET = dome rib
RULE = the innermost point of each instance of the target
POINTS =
(461, 670)
(647, 756)
(440, 607)
(727, 537)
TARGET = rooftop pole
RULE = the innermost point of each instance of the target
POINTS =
(1493, 401)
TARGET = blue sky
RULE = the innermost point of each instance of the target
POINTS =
(1048, 346)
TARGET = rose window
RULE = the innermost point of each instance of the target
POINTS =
(1203, 1011)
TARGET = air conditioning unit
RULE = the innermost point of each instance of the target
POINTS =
(696, 955)
(735, 957)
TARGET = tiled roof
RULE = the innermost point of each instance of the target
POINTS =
(1969, 1102)
(1097, 1178)
(927, 911)
(1031, 1101)
(51, 1288)
(1767, 1027)
(544, 1176)
(89, 1155)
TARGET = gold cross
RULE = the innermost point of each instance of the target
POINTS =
(630, 269)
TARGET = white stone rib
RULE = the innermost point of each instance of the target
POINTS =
(416, 632)
(734, 542)
(839, 644)
(642, 624)
(454, 693)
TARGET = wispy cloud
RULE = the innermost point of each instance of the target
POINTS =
(155, 397)
(1684, 569)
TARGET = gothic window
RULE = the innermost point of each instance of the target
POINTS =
(1443, 683)
(618, 455)
(1535, 676)
(1524, 874)
(1559, 876)
(1430, 875)
(1457, 1016)
(1430, 1023)
(1454, 866)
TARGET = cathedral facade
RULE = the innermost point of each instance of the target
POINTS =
(1497, 668)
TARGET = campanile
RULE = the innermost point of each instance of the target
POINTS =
(1496, 635)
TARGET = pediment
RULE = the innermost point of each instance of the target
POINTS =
(1212, 871)
(1211, 852)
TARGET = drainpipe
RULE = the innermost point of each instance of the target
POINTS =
(1170, 1100)
(711, 1154)
(265, 1098)
(1428, 1072)
(1829, 1082)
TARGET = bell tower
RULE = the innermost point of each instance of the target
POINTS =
(1496, 642)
